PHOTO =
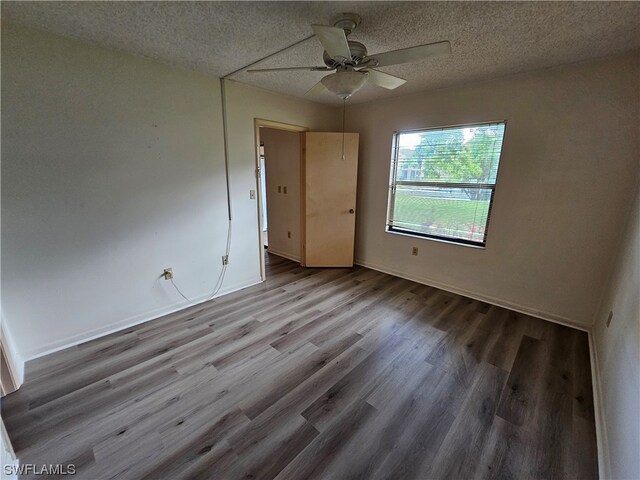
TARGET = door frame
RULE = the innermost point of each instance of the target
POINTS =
(259, 122)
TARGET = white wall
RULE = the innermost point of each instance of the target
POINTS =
(282, 167)
(618, 356)
(566, 176)
(113, 169)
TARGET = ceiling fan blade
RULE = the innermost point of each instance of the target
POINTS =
(333, 40)
(384, 80)
(283, 69)
(316, 89)
(411, 54)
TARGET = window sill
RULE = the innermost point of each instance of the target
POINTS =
(439, 240)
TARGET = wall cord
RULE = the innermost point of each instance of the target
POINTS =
(220, 280)
(344, 113)
(225, 136)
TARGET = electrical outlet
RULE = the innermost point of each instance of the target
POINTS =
(167, 274)
(414, 251)
(288, 234)
(279, 189)
(252, 194)
(285, 189)
(609, 319)
(225, 260)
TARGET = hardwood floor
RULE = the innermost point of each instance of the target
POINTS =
(317, 373)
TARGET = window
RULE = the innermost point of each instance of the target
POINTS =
(442, 182)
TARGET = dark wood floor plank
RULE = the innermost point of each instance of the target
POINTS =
(268, 463)
(400, 400)
(316, 373)
(265, 334)
(201, 441)
(462, 348)
(258, 403)
(50, 389)
(503, 344)
(582, 386)
(458, 456)
(425, 427)
(504, 452)
(268, 426)
(54, 417)
(553, 419)
(107, 348)
(345, 312)
(355, 385)
(220, 462)
(315, 459)
(524, 384)
(332, 293)
(583, 434)
(136, 414)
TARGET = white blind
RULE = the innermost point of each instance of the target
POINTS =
(443, 179)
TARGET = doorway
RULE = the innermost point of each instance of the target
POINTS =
(278, 169)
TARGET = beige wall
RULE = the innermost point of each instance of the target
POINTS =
(618, 356)
(565, 181)
(112, 170)
(282, 167)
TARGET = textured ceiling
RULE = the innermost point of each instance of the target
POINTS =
(488, 39)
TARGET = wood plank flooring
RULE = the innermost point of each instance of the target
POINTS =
(317, 373)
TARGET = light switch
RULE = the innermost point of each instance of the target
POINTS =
(252, 194)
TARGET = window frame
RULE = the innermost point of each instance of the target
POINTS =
(393, 183)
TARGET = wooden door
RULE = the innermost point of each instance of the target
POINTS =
(329, 198)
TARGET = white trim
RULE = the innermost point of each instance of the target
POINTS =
(284, 255)
(604, 467)
(483, 298)
(257, 124)
(14, 360)
(127, 323)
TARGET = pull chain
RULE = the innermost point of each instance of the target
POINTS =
(344, 109)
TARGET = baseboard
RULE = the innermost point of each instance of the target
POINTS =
(127, 323)
(483, 298)
(14, 361)
(598, 407)
(284, 255)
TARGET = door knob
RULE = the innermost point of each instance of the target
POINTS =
(351, 210)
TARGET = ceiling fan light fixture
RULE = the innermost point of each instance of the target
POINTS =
(344, 83)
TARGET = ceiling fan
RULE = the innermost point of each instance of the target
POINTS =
(353, 65)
